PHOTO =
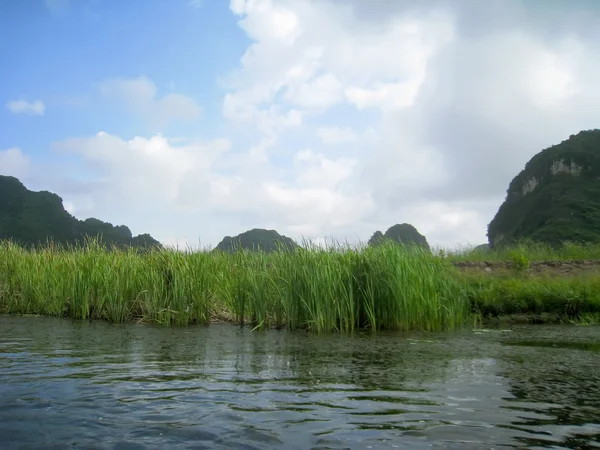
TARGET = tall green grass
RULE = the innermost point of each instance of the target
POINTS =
(92, 282)
(339, 289)
(320, 289)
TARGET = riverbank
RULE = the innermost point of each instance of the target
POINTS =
(519, 286)
(322, 290)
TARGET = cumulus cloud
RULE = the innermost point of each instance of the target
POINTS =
(365, 114)
(336, 135)
(14, 163)
(35, 108)
(185, 191)
(466, 94)
(140, 95)
(314, 56)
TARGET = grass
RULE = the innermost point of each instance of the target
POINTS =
(520, 297)
(552, 298)
(333, 289)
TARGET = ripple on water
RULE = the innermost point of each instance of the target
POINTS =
(94, 385)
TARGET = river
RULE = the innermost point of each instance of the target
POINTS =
(96, 385)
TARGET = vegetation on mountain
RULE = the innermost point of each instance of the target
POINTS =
(401, 233)
(32, 218)
(257, 239)
(555, 198)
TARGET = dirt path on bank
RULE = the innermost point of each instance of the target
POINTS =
(535, 268)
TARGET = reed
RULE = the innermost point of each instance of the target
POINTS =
(337, 288)
(320, 289)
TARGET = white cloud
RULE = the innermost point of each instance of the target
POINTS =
(162, 187)
(69, 207)
(139, 94)
(310, 56)
(269, 22)
(336, 135)
(317, 170)
(14, 163)
(149, 169)
(387, 96)
(319, 93)
(361, 117)
(271, 121)
(35, 108)
(463, 105)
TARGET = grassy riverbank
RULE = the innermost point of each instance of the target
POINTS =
(543, 299)
(387, 287)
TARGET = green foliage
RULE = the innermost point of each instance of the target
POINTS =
(257, 239)
(334, 289)
(520, 261)
(388, 286)
(568, 297)
(33, 218)
(401, 233)
(553, 206)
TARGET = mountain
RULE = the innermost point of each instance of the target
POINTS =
(257, 239)
(482, 248)
(555, 198)
(402, 233)
(31, 218)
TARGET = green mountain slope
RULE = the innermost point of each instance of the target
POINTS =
(555, 198)
(402, 233)
(257, 239)
(31, 218)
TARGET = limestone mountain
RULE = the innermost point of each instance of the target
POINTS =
(482, 248)
(403, 233)
(257, 239)
(30, 218)
(555, 198)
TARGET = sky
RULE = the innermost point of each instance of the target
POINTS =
(323, 119)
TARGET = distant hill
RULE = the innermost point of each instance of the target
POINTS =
(257, 239)
(482, 248)
(555, 198)
(31, 218)
(401, 233)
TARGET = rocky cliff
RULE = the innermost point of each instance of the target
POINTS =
(555, 198)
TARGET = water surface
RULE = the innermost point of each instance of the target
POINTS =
(76, 384)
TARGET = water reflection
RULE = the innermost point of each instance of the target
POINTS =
(99, 385)
(559, 400)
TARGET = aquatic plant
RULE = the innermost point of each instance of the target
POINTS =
(337, 288)
(321, 289)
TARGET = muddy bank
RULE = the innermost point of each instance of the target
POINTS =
(534, 268)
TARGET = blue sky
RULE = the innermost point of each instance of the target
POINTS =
(61, 51)
(193, 120)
